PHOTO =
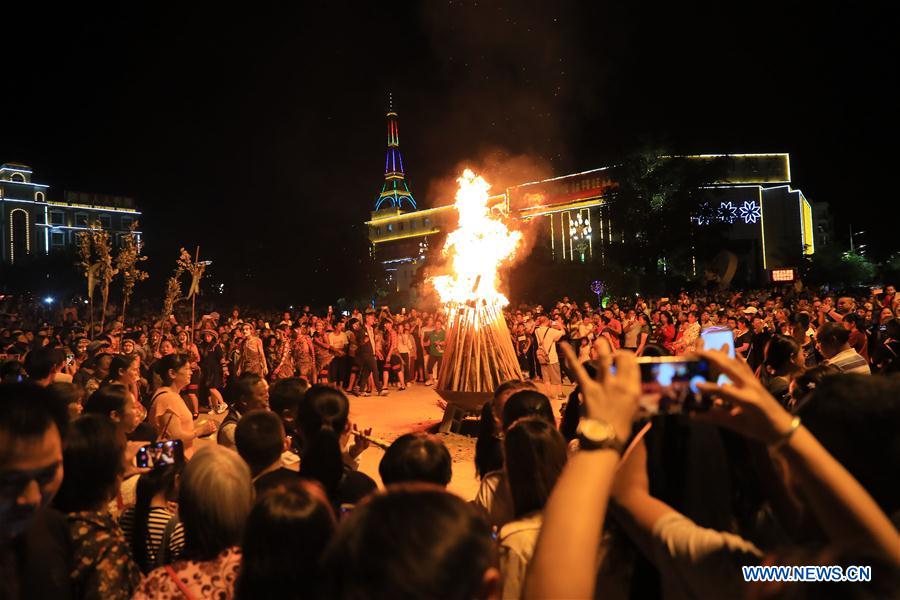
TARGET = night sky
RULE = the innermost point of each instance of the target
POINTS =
(259, 134)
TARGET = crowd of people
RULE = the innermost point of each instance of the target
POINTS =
(116, 483)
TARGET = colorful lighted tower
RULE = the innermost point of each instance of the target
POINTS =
(395, 192)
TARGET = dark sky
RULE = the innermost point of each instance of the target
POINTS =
(259, 133)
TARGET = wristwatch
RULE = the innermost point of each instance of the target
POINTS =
(594, 434)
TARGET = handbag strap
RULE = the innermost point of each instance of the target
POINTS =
(177, 581)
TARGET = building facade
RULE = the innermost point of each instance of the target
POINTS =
(34, 225)
(770, 225)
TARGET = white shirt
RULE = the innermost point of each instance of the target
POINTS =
(546, 339)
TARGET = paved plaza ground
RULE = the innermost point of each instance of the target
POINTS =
(414, 409)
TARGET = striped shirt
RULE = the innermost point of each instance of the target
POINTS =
(849, 361)
(156, 527)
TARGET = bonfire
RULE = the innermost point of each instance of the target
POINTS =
(479, 354)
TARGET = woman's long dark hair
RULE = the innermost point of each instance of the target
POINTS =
(488, 450)
(287, 532)
(535, 457)
(781, 354)
(159, 479)
(322, 418)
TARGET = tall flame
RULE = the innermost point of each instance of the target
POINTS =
(477, 248)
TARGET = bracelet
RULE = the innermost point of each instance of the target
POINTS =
(783, 440)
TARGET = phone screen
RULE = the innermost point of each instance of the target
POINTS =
(160, 454)
(669, 385)
(713, 339)
(716, 337)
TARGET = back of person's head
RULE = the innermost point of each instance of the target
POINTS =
(107, 399)
(162, 479)
(214, 500)
(655, 350)
(322, 418)
(12, 371)
(285, 396)
(168, 365)
(535, 457)
(807, 381)
(40, 362)
(892, 329)
(488, 452)
(67, 400)
(259, 438)
(525, 403)
(415, 541)
(416, 457)
(28, 434)
(781, 354)
(832, 336)
(856, 418)
(287, 532)
(93, 461)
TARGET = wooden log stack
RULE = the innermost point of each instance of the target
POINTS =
(478, 354)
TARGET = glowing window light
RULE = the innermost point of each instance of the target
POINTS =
(12, 233)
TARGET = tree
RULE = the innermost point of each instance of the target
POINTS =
(661, 214)
(95, 251)
(840, 269)
(127, 261)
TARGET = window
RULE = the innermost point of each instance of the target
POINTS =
(425, 222)
(378, 231)
(81, 220)
(390, 227)
(105, 221)
(17, 177)
(39, 196)
(57, 239)
(402, 225)
(57, 217)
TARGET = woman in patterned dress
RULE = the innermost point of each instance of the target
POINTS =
(302, 349)
(284, 367)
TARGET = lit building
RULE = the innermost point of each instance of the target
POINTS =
(771, 224)
(34, 225)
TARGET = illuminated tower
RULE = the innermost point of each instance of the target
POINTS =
(395, 192)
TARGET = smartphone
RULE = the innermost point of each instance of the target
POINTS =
(669, 385)
(70, 358)
(160, 454)
(716, 337)
(713, 339)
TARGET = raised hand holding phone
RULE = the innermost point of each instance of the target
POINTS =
(609, 397)
(744, 405)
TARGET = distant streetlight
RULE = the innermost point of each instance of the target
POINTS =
(48, 300)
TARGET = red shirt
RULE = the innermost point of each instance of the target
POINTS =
(859, 342)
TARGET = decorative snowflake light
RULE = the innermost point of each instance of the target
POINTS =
(727, 212)
(751, 212)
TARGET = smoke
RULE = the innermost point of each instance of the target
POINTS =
(502, 170)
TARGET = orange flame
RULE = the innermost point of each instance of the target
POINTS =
(477, 247)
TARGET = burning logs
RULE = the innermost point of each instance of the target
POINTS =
(479, 353)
